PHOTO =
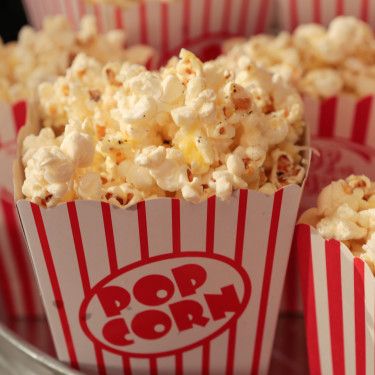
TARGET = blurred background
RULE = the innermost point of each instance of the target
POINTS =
(12, 18)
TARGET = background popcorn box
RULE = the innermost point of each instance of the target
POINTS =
(343, 133)
(338, 291)
(296, 12)
(198, 25)
(19, 295)
(165, 286)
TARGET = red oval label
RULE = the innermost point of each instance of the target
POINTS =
(166, 304)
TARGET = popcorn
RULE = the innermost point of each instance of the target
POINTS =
(318, 61)
(191, 130)
(345, 212)
(41, 56)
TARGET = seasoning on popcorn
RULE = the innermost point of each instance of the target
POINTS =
(346, 212)
(318, 61)
(43, 55)
(122, 134)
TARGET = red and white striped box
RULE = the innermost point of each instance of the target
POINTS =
(339, 305)
(166, 286)
(198, 25)
(343, 133)
(18, 291)
(292, 13)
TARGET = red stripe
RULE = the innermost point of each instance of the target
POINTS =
(19, 114)
(231, 349)
(304, 250)
(365, 10)
(176, 230)
(142, 228)
(81, 8)
(80, 252)
(164, 28)
(126, 365)
(361, 120)
(55, 284)
(327, 117)
(333, 265)
(98, 17)
(339, 7)
(143, 22)
(206, 17)
(19, 254)
(70, 13)
(226, 16)
(153, 366)
(210, 225)
(186, 20)
(179, 364)
(100, 360)
(293, 14)
(111, 248)
(206, 359)
(242, 24)
(290, 295)
(118, 18)
(262, 17)
(5, 289)
(316, 11)
(359, 313)
(267, 273)
(241, 221)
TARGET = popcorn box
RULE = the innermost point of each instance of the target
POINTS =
(338, 291)
(164, 286)
(343, 133)
(198, 25)
(19, 295)
(296, 12)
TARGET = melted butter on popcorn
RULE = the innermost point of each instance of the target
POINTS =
(190, 130)
(43, 55)
(318, 61)
(346, 212)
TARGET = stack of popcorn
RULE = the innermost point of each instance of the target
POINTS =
(197, 167)
(39, 56)
(337, 262)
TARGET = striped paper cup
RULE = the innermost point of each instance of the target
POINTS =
(165, 286)
(19, 296)
(338, 291)
(296, 12)
(198, 25)
(343, 133)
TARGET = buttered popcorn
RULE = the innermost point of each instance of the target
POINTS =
(346, 212)
(43, 55)
(121, 134)
(318, 61)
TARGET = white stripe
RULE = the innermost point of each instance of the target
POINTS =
(371, 13)
(346, 105)
(94, 241)
(216, 16)
(175, 22)
(114, 362)
(218, 354)
(258, 220)
(193, 226)
(312, 114)
(7, 127)
(159, 226)
(76, 15)
(140, 366)
(347, 290)
(353, 8)
(283, 18)
(305, 11)
(192, 361)
(288, 213)
(234, 16)
(153, 20)
(132, 25)
(369, 319)
(107, 13)
(226, 230)
(370, 139)
(321, 302)
(166, 365)
(196, 18)
(43, 279)
(63, 251)
(328, 11)
(10, 264)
